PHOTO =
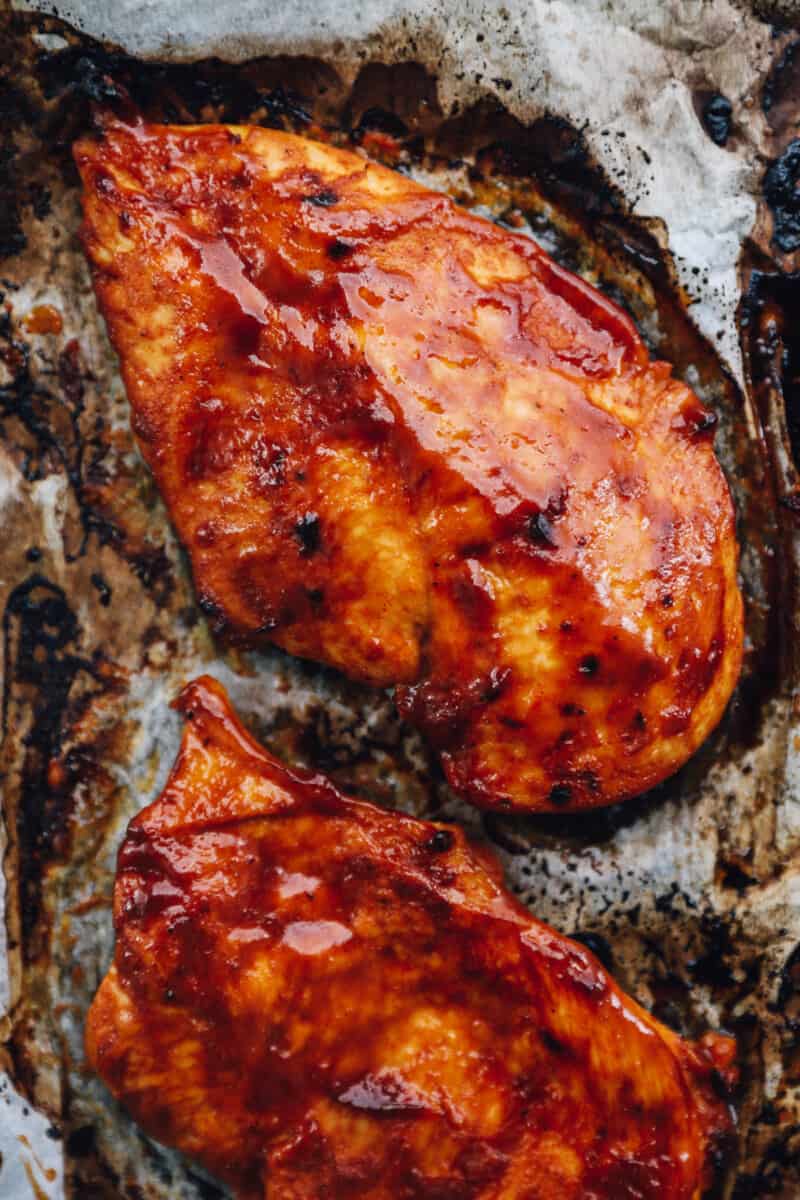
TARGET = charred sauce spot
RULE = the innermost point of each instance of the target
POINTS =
(324, 198)
(316, 598)
(696, 421)
(440, 841)
(41, 666)
(308, 532)
(212, 611)
(551, 1043)
(244, 333)
(771, 318)
(539, 525)
(560, 794)
(779, 95)
(717, 117)
(337, 250)
(80, 1142)
(497, 682)
(540, 530)
(380, 120)
(782, 195)
(597, 944)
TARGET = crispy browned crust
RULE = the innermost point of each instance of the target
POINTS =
(400, 440)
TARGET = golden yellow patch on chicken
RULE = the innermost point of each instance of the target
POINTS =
(319, 1000)
(399, 440)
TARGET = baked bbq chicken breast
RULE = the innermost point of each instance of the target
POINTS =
(400, 440)
(319, 999)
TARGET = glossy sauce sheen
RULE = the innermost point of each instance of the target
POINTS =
(400, 440)
(319, 999)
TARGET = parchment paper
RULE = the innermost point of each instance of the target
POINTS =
(654, 884)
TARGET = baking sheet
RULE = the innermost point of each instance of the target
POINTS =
(692, 894)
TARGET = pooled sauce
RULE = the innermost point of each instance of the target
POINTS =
(400, 440)
(44, 318)
(313, 995)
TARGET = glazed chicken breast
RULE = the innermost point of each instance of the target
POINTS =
(400, 440)
(319, 999)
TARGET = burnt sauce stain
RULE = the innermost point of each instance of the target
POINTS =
(41, 663)
(782, 196)
(41, 421)
(393, 113)
(768, 321)
(51, 420)
(781, 89)
(716, 115)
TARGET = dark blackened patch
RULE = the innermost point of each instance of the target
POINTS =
(732, 875)
(782, 195)
(81, 1141)
(589, 664)
(283, 105)
(206, 1189)
(540, 530)
(244, 333)
(551, 150)
(316, 598)
(778, 1163)
(337, 250)
(598, 946)
(789, 989)
(15, 113)
(325, 198)
(40, 659)
(379, 120)
(83, 72)
(771, 318)
(44, 425)
(696, 421)
(440, 841)
(551, 1042)
(215, 615)
(539, 525)
(497, 682)
(781, 88)
(152, 567)
(714, 966)
(717, 117)
(308, 532)
(397, 102)
(560, 794)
